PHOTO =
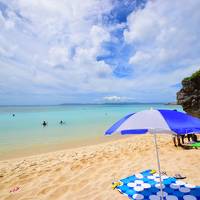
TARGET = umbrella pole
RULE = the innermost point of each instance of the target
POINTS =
(158, 162)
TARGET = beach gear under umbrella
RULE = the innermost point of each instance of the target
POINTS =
(156, 122)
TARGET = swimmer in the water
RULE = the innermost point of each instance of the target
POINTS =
(44, 123)
(62, 122)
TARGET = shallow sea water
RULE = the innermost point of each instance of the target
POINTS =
(82, 123)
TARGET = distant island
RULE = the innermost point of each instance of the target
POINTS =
(115, 103)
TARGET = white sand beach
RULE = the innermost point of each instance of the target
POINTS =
(86, 173)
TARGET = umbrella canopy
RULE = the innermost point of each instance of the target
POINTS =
(156, 121)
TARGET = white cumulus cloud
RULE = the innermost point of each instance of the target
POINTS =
(50, 48)
(165, 35)
(117, 98)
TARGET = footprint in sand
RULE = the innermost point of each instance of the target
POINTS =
(45, 190)
(59, 191)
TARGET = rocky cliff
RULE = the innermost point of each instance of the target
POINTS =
(189, 95)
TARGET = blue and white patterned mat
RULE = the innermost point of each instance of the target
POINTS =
(146, 186)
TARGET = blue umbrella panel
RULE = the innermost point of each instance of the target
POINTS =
(146, 186)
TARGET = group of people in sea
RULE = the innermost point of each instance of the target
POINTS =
(44, 123)
(178, 140)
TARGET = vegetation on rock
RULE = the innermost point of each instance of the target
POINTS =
(194, 76)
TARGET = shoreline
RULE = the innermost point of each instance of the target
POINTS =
(38, 149)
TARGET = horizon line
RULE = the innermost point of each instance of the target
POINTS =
(103, 103)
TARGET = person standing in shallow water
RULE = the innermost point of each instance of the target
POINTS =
(61, 122)
(44, 124)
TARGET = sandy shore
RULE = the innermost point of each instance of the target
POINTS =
(86, 173)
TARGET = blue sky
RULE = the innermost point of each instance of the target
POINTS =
(73, 51)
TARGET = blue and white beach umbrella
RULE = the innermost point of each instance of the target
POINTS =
(155, 122)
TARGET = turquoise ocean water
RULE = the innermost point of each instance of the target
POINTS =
(83, 122)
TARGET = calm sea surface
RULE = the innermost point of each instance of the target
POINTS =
(82, 122)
